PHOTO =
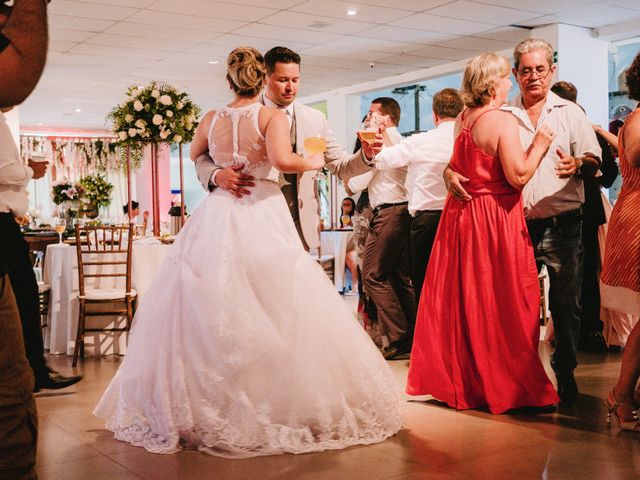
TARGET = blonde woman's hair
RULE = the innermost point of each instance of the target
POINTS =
(529, 45)
(480, 78)
(246, 71)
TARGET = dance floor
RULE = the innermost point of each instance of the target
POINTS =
(435, 443)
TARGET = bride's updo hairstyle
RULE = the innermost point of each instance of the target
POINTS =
(481, 75)
(246, 71)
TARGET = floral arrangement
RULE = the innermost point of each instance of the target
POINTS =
(96, 189)
(157, 113)
(65, 191)
(90, 189)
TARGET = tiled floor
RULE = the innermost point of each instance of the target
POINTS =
(436, 442)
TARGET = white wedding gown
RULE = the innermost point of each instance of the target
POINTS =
(242, 346)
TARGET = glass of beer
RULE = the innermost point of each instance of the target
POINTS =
(313, 145)
(60, 225)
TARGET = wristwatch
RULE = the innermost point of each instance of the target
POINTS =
(579, 166)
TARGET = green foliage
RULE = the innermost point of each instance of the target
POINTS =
(96, 189)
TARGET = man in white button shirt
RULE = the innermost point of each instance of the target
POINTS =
(554, 196)
(426, 155)
(282, 83)
(386, 267)
(23, 50)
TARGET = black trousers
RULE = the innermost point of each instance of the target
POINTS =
(422, 233)
(591, 322)
(14, 254)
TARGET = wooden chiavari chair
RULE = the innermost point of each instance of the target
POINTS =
(104, 252)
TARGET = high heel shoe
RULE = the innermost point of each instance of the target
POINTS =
(630, 425)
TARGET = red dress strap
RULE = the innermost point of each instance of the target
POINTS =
(476, 119)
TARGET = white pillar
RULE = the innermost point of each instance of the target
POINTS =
(583, 61)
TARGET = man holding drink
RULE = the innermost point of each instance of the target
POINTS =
(310, 133)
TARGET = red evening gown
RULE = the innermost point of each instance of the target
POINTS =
(477, 330)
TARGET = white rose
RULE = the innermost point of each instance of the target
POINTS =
(165, 100)
(137, 105)
(128, 118)
(179, 105)
(141, 123)
(122, 135)
(133, 132)
(155, 93)
(157, 119)
(169, 113)
(177, 138)
(164, 134)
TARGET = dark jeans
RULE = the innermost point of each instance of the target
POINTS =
(14, 253)
(591, 322)
(387, 272)
(422, 233)
(559, 247)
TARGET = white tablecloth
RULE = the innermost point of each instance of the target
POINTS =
(334, 242)
(61, 272)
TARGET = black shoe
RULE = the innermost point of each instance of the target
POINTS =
(567, 388)
(55, 381)
(391, 352)
(593, 342)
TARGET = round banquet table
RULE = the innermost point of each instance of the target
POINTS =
(61, 273)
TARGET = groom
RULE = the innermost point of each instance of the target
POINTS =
(282, 83)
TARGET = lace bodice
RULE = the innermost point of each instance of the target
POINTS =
(235, 138)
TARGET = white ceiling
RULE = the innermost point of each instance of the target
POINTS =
(100, 47)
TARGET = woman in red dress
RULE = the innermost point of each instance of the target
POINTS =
(477, 329)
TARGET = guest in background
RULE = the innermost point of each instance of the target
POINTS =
(426, 155)
(477, 332)
(591, 326)
(620, 280)
(347, 209)
(135, 209)
(386, 267)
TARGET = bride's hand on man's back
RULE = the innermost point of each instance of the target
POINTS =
(234, 180)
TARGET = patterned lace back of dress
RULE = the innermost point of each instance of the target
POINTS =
(235, 139)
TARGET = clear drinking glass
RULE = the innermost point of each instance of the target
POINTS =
(60, 225)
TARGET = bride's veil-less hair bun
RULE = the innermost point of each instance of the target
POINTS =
(246, 71)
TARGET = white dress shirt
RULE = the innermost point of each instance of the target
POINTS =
(14, 174)
(546, 194)
(426, 155)
(385, 186)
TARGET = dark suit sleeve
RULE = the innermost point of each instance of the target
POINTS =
(608, 167)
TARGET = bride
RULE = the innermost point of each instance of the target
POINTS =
(242, 346)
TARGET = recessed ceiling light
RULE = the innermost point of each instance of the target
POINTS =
(78, 110)
(352, 12)
(214, 62)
